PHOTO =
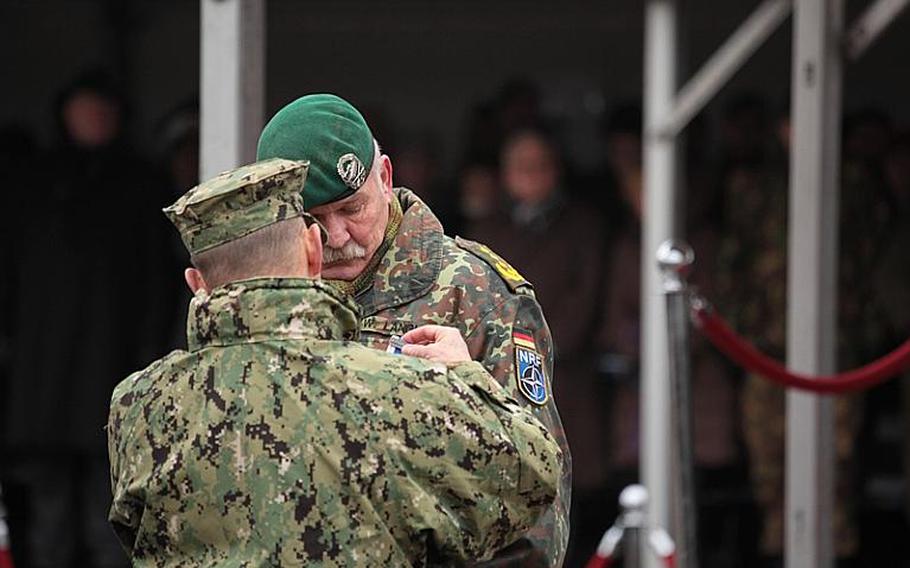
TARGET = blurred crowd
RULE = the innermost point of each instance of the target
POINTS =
(87, 297)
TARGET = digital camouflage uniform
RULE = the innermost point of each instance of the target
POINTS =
(277, 440)
(427, 277)
(752, 292)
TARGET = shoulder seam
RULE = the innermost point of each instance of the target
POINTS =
(504, 271)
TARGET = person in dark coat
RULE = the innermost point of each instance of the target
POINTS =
(79, 264)
(558, 246)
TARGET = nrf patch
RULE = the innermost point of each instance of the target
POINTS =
(532, 381)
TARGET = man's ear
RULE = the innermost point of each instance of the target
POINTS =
(385, 175)
(195, 281)
(313, 240)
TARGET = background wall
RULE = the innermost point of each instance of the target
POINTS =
(416, 66)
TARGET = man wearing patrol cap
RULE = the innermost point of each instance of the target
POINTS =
(387, 249)
(276, 441)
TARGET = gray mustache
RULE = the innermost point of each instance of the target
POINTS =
(349, 251)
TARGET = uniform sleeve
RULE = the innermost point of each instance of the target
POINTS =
(124, 513)
(474, 469)
(498, 341)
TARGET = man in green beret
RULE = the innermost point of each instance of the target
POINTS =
(278, 440)
(387, 250)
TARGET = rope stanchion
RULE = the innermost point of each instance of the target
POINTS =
(626, 533)
(6, 555)
(675, 259)
(751, 359)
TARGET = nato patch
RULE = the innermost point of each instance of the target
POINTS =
(532, 382)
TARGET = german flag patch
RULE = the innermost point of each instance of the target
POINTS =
(529, 368)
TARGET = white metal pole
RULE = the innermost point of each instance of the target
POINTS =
(660, 169)
(232, 83)
(812, 278)
(871, 24)
(726, 61)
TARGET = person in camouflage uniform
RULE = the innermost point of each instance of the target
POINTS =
(278, 440)
(752, 291)
(388, 251)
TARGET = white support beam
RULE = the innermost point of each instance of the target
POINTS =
(871, 24)
(660, 163)
(734, 52)
(812, 278)
(232, 77)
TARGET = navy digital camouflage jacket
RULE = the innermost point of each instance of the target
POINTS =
(277, 441)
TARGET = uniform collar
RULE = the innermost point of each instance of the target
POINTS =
(412, 263)
(262, 309)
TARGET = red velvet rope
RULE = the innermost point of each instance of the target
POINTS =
(599, 562)
(607, 561)
(748, 357)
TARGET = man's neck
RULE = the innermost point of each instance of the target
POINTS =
(270, 308)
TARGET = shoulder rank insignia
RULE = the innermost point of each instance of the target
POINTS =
(505, 270)
(529, 368)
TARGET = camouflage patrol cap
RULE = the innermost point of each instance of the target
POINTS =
(332, 135)
(238, 202)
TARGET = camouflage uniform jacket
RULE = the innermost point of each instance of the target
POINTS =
(428, 277)
(274, 441)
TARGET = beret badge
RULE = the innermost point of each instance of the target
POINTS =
(351, 171)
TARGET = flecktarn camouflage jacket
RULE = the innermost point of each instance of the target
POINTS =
(426, 277)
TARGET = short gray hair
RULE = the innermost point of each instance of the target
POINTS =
(274, 250)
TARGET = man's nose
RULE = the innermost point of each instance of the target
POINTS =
(338, 233)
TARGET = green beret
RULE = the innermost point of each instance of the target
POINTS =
(238, 202)
(332, 135)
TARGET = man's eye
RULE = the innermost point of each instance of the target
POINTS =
(351, 209)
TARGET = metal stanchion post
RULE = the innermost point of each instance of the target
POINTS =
(625, 532)
(630, 532)
(6, 557)
(633, 501)
(675, 261)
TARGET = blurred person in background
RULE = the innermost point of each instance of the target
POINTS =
(744, 130)
(894, 275)
(79, 267)
(867, 226)
(751, 289)
(617, 184)
(558, 246)
(719, 477)
(894, 270)
(417, 165)
(18, 152)
(886, 444)
(516, 106)
(897, 173)
(619, 337)
(478, 192)
(177, 143)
